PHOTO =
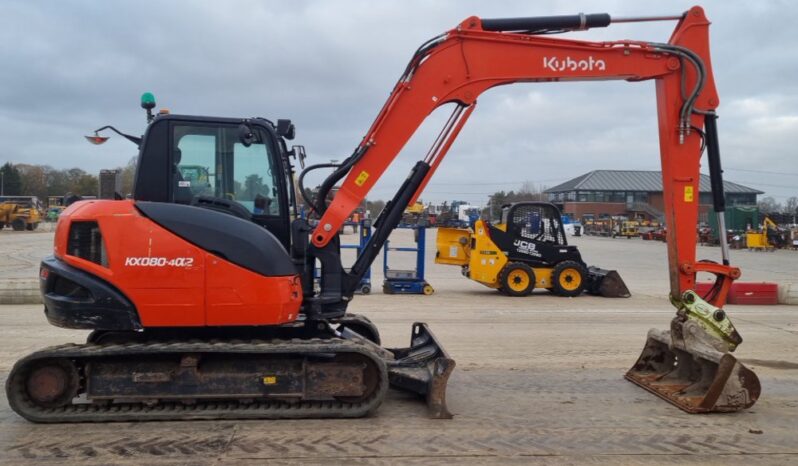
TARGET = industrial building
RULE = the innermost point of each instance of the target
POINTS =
(634, 194)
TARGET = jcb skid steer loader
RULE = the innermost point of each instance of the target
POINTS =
(201, 292)
(528, 249)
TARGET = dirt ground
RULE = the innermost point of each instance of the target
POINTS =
(538, 380)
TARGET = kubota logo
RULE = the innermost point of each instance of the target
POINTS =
(569, 64)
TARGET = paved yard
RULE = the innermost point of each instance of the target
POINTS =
(538, 379)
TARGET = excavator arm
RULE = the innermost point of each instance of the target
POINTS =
(479, 54)
(689, 365)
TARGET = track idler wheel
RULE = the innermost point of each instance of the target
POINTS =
(52, 384)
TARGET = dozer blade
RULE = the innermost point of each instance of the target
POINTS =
(607, 283)
(699, 379)
(423, 368)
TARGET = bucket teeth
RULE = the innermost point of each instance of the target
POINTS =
(697, 378)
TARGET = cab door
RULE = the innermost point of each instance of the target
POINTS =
(209, 160)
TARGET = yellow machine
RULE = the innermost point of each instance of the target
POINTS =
(627, 228)
(20, 212)
(767, 239)
(413, 213)
(527, 250)
(8, 211)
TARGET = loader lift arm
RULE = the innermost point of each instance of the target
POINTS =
(479, 54)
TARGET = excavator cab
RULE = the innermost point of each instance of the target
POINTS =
(235, 166)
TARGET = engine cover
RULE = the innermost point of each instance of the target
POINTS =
(181, 265)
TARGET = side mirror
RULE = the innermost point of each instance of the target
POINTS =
(245, 135)
(299, 154)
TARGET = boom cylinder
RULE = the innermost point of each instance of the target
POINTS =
(542, 23)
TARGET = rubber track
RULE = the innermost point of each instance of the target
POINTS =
(260, 409)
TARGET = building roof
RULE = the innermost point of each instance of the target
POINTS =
(636, 180)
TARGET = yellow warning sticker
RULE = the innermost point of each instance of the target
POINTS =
(688, 194)
(361, 178)
(269, 380)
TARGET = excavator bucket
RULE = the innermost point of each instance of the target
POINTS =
(697, 380)
(423, 368)
(691, 365)
(607, 283)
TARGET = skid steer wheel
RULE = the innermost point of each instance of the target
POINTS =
(568, 278)
(517, 279)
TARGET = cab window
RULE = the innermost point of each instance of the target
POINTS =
(211, 161)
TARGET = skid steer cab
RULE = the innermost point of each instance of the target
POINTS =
(527, 250)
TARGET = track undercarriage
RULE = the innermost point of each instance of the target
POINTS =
(336, 373)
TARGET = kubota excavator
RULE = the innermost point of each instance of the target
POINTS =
(201, 295)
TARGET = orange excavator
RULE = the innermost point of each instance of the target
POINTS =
(201, 292)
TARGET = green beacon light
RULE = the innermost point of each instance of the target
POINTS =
(148, 103)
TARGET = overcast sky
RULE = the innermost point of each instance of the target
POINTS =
(70, 67)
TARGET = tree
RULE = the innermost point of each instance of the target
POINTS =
(528, 192)
(791, 206)
(253, 185)
(34, 180)
(374, 207)
(127, 174)
(57, 183)
(495, 202)
(768, 204)
(11, 180)
(86, 185)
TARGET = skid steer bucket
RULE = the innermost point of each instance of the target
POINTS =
(691, 366)
(423, 368)
(607, 283)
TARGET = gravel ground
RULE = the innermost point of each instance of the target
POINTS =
(538, 380)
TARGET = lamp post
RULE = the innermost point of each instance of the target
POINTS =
(2, 184)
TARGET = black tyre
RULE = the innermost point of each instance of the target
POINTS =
(18, 224)
(568, 278)
(517, 279)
